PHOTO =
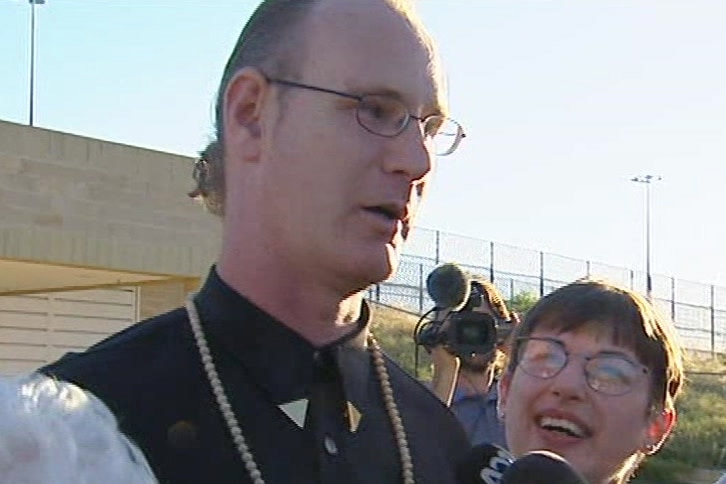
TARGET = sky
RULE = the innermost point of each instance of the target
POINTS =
(563, 103)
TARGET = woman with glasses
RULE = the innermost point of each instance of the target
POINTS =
(593, 377)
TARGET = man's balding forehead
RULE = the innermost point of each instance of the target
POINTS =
(434, 101)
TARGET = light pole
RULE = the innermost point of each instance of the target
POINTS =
(647, 180)
(32, 3)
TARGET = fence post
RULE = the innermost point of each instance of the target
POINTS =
(588, 269)
(378, 293)
(673, 298)
(541, 273)
(713, 321)
(420, 288)
(491, 262)
(438, 247)
(511, 289)
(632, 280)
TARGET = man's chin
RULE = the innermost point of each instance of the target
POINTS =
(365, 271)
(383, 271)
(383, 263)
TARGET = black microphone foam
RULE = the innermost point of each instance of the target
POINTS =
(485, 464)
(541, 467)
(449, 286)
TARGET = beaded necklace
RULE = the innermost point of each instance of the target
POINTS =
(231, 419)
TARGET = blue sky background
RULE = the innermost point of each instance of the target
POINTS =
(563, 101)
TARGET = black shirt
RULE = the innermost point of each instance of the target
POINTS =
(151, 377)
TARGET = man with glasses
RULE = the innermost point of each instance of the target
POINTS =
(329, 119)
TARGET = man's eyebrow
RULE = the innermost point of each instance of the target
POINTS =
(377, 91)
(428, 109)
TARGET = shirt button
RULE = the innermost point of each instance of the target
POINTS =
(317, 360)
(330, 446)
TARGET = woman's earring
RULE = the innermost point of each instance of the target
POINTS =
(500, 412)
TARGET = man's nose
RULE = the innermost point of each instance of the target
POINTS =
(412, 152)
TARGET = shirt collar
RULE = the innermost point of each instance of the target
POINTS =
(271, 353)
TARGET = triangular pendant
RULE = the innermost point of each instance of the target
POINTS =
(296, 411)
(354, 417)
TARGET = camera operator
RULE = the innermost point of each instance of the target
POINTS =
(467, 383)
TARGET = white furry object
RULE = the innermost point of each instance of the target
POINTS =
(55, 432)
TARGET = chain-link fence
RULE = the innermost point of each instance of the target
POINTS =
(699, 310)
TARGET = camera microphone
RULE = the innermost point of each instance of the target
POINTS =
(490, 464)
(448, 286)
(541, 467)
(485, 464)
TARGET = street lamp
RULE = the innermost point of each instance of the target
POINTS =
(647, 180)
(32, 3)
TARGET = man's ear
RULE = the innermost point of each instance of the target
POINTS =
(244, 99)
(659, 428)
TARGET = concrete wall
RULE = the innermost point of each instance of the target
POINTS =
(66, 199)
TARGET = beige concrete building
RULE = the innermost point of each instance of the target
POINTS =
(93, 237)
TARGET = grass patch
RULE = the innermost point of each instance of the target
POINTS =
(699, 439)
(393, 329)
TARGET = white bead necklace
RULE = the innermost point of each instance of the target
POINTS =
(233, 425)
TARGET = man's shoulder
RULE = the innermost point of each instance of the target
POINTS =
(150, 346)
(419, 390)
(421, 403)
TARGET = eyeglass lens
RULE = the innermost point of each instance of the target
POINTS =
(606, 373)
(387, 116)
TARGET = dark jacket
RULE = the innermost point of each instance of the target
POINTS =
(151, 377)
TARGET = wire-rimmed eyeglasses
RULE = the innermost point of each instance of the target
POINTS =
(387, 116)
(608, 373)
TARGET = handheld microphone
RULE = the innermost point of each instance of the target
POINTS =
(541, 467)
(448, 286)
(485, 464)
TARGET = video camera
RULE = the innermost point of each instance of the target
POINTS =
(458, 326)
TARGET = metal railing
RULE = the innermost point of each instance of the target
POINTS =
(699, 310)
